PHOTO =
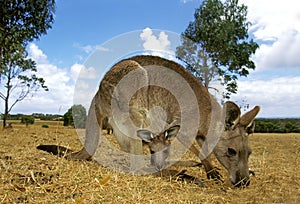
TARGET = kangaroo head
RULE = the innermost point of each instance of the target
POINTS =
(233, 150)
(159, 145)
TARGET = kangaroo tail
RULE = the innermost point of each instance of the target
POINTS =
(65, 152)
(55, 149)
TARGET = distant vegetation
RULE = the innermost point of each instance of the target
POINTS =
(41, 116)
(277, 125)
(27, 119)
(75, 116)
(35, 118)
(262, 125)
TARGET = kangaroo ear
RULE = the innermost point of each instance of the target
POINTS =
(250, 128)
(231, 113)
(172, 132)
(247, 118)
(145, 135)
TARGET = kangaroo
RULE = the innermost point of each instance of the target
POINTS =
(145, 112)
(232, 149)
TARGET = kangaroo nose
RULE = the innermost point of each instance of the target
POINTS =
(159, 167)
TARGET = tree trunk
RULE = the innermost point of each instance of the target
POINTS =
(5, 115)
(206, 72)
(4, 119)
(6, 108)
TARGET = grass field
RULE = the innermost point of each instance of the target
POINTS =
(28, 175)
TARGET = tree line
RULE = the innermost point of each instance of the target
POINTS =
(76, 117)
(40, 116)
(277, 125)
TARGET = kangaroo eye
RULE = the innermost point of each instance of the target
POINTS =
(231, 152)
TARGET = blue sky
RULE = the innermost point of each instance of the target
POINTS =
(84, 26)
(82, 23)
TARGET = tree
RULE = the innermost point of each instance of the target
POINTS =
(222, 44)
(68, 118)
(27, 119)
(197, 62)
(21, 21)
(75, 116)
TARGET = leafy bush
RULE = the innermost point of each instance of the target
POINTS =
(27, 119)
(75, 116)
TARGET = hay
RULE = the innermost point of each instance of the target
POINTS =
(28, 175)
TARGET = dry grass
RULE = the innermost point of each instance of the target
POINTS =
(28, 175)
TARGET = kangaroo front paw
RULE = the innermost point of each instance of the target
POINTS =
(214, 174)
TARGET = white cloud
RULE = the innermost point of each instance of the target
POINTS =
(185, 1)
(37, 54)
(88, 48)
(86, 83)
(60, 84)
(283, 53)
(277, 25)
(91, 48)
(83, 94)
(278, 97)
(82, 85)
(101, 48)
(156, 44)
(79, 70)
